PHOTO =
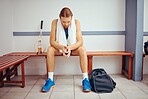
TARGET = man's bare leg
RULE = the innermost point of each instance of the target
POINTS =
(51, 58)
(83, 58)
(50, 62)
(83, 64)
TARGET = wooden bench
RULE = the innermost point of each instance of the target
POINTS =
(113, 53)
(8, 66)
(16, 58)
(90, 55)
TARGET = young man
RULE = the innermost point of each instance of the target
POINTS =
(66, 37)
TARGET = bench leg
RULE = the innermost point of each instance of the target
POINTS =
(89, 64)
(23, 75)
(8, 76)
(130, 61)
(46, 67)
(123, 64)
(1, 83)
(16, 72)
(130, 67)
(142, 65)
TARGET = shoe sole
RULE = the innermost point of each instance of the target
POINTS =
(47, 90)
(86, 90)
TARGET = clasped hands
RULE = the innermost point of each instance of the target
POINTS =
(66, 51)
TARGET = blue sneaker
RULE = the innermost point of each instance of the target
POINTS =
(48, 85)
(86, 85)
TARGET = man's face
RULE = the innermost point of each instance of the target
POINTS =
(66, 21)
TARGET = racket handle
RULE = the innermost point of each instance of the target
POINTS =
(41, 24)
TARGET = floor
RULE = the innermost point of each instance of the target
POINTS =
(69, 87)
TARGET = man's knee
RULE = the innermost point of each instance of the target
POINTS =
(50, 50)
(82, 50)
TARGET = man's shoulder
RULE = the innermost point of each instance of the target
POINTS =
(77, 21)
(55, 21)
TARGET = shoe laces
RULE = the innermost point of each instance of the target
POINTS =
(86, 82)
(47, 82)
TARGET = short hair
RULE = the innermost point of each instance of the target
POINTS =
(65, 12)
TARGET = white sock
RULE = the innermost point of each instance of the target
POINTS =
(50, 75)
(85, 75)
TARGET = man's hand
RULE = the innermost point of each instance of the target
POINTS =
(66, 51)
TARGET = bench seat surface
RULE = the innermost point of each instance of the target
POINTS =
(7, 61)
(89, 53)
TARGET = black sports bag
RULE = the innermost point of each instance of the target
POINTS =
(101, 82)
(146, 47)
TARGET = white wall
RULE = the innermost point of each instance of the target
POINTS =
(102, 15)
(105, 15)
(145, 64)
(6, 12)
(145, 15)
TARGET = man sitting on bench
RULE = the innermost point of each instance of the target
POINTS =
(66, 37)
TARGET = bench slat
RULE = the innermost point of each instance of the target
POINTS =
(7, 61)
(109, 53)
(25, 54)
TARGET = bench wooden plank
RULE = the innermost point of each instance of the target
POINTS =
(109, 53)
(7, 61)
(26, 54)
(89, 53)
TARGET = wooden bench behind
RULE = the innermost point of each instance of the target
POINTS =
(10, 64)
(90, 55)
(16, 58)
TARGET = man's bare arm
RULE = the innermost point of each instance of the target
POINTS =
(53, 36)
(78, 37)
